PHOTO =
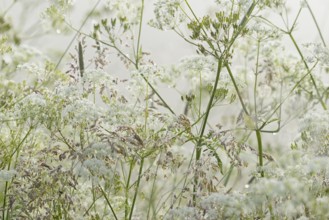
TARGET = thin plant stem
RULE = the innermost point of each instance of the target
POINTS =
(139, 35)
(108, 203)
(236, 89)
(16, 151)
(133, 63)
(151, 203)
(260, 151)
(127, 189)
(205, 119)
(76, 34)
(219, 68)
(281, 103)
(9, 8)
(203, 127)
(316, 23)
(324, 106)
(289, 32)
(256, 82)
(137, 188)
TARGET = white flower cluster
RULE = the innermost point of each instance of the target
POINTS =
(54, 17)
(32, 107)
(229, 6)
(127, 11)
(317, 53)
(200, 71)
(82, 110)
(168, 14)
(187, 213)
(17, 55)
(224, 206)
(314, 132)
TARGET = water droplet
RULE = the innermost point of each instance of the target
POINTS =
(246, 186)
(58, 31)
(274, 133)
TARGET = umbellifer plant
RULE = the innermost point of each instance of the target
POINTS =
(93, 131)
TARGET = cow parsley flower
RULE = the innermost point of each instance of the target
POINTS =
(32, 107)
(220, 205)
(199, 70)
(82, 110)
(168, 14)
(186, 213)
(128, 11)
(97, 167)
(314, 130)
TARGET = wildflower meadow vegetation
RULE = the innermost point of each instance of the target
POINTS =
(99, 128)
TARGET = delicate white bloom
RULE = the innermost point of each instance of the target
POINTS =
(228, 6)
(317, 52)
(199, 70)
(82, 110)
(98, 78)
(54, 17)
(39, 73)
(126, 10)
(186, 213)
(152, 73)
(277, 5)
(33, 106)
(314, 129)
(168, 14)
(97, 167)
(220, 205)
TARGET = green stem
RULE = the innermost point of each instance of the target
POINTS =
(139, 35)
(308, 69)
(10, 160)
(5, 199)
(137, 187)
(151, 203)
(256, 82)
(209, 106)
(108, 202)
(113, 45)
(127, 189)
(159, 96)
(236, 89)
(203, 127)
(260, 151)
(281, 103)
(242, 24)
(316, 23)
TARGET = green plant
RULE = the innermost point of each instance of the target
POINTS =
(89, 132)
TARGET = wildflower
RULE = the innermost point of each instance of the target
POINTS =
(127, 11)
(168, 14)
